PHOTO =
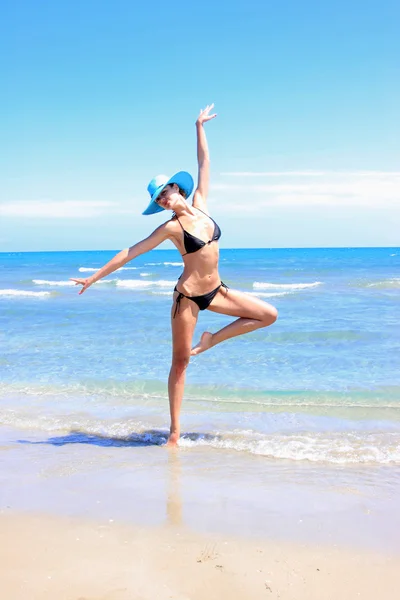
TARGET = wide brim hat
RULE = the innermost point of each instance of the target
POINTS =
(182, 179)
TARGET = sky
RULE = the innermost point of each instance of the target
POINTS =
(100, 96)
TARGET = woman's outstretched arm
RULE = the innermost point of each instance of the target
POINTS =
(158, 236)
(203, 159)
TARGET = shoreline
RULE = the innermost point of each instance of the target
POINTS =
(202, 489)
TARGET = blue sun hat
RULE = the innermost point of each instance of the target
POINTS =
(182, 179)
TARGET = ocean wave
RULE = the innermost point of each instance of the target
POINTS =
(334, 448)
(288, 286)
(110, 392)
(144, 274)
(267, 294)
(163, 293)
(106, 281)
(85, 424)
(88, 269)
(133, 283)
(24, 293)
(91, 269)
(166, 264)
(318, 447)
(164, 283)
(68, 283)
(386, 284)
(52, 283)
(140, 284)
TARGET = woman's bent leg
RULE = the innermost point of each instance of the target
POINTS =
(253, 314)
(183, 326)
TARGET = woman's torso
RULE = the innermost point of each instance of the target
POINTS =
(197, 241)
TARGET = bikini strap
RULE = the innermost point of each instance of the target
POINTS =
(183, 233)
(178, 302)
(180, 223)
(204, 213)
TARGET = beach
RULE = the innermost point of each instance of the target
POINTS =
(113, 519)
(287, 478)
(237, 158)
(117, 521)
(70, 559)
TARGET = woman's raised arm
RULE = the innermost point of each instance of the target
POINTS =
(203, 159)
(158, 236)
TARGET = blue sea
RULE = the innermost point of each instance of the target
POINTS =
(321, 385)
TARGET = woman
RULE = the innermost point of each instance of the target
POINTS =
(195, 234)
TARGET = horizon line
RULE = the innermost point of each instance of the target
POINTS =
(241, 248)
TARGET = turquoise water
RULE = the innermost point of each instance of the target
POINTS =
(322, 384)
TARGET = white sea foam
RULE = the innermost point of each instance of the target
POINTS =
(260, 285)
(86, 426)
(386, 283)
(267, 294)
(326, 447)
(336, 448)
(52, 283)
(144, 274)
(164, 283)
(140, 284)
(91, 269)
(166, 264)
(106, 281)
(133, 283)
(162, 293)
(24, 293)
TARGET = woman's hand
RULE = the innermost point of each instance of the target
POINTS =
(205, 116)
(84, 282)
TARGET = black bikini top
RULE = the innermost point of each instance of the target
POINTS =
(193, 243)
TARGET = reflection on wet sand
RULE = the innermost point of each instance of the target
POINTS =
(174, 498)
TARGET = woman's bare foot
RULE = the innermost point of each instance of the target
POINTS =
(204, 344)
(173, 440)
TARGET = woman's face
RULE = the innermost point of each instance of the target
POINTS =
(169, 197)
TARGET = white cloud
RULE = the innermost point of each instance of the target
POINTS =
(274, 174)
(312, 173)
(374, 189)
(71, 209)
(251, 191)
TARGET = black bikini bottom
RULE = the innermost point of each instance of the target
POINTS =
(202, 302)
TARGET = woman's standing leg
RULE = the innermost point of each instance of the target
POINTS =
(183, 326)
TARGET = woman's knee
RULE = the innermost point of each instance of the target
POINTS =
(180, 361)
(270, 315)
